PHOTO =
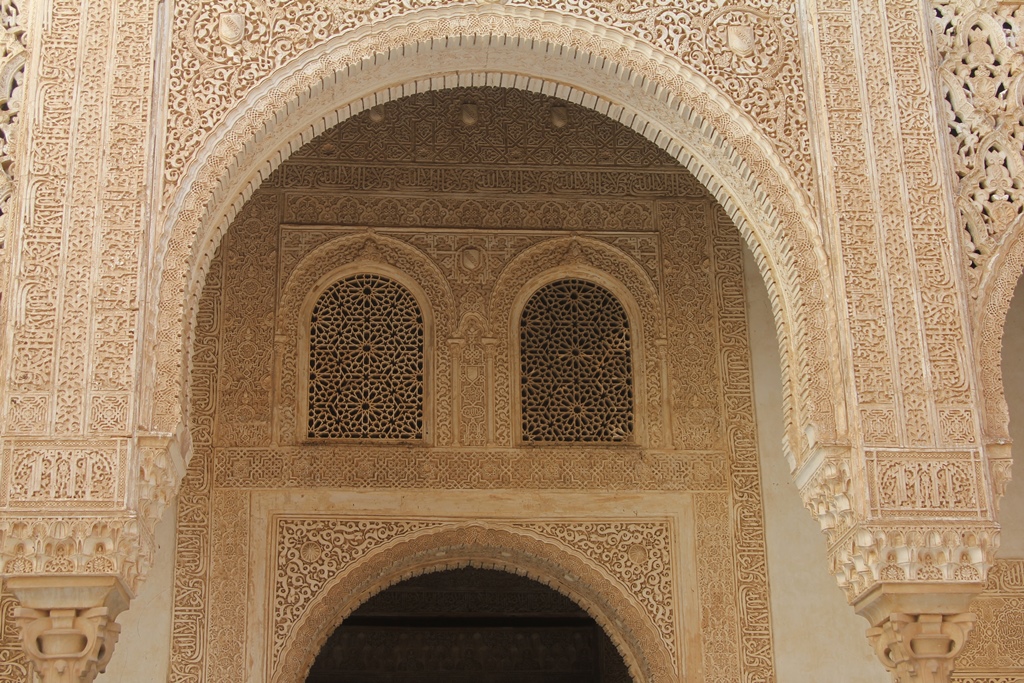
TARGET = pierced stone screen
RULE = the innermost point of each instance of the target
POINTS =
(577, 371)
(366, 362)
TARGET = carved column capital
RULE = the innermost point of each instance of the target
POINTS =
(920, 648)
(67, 623)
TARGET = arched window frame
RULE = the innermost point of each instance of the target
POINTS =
(306, 315)
(629, 305)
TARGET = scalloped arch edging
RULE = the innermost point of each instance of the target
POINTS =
(564, 57)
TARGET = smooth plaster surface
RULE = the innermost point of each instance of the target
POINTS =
(818, 637)
(143, 652)
(1011, 508)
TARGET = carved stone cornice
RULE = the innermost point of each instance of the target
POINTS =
(98, 545)
(69, 505)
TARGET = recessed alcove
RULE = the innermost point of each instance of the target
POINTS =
(469, 625)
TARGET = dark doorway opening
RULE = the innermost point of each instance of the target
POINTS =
(469, 625)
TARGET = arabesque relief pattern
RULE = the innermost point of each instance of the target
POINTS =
(550, 559)
(74, 296)
(905, 311)
(749, 51)
(732, 154)
(78, 399)
(980, 44)
(883, 256)
(995, 650)
(473, 272)
(314, 552)
(982, 64)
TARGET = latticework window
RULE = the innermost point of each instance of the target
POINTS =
(576, 364)
(366, 362)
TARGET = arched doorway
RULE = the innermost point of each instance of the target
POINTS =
(469, 624)
(473, 200)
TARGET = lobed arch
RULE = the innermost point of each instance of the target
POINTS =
(576, 59)
(484, 546)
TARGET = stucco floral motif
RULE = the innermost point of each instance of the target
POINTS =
(751, 53)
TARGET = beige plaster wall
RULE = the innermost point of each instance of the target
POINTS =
(816, 633)
(143, 651)
(1011, 510)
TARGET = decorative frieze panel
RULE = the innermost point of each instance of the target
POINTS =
(313, 554)
(995, 650)
(77, 308)
(72, 475)
(192, 552)
(903, 303)
(754, 622)
(920, 484)
(473, 367)
(716, 579)
(760, 72)
(693, 393)
(477, 212)
(591, 468)
(250, 254)
(316, 171)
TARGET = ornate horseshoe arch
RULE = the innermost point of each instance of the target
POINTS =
(567, 57)
(436, 547)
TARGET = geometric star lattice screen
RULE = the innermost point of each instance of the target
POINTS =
(577, 370)
(366, 362)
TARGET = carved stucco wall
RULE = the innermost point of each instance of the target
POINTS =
(80, 287)
(982, 61)
(258, 496)
(722, 89)
(767, 194)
